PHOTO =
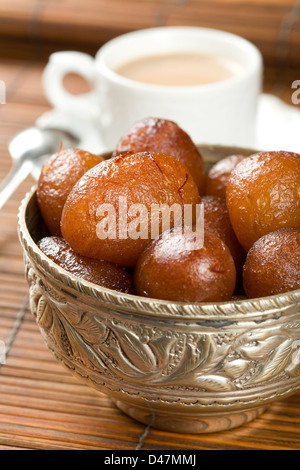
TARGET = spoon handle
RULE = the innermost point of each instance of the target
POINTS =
(11, 182)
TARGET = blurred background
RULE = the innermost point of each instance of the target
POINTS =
(30, 30)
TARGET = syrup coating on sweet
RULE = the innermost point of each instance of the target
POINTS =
(57, 178)
(96, 271)
(216, 219)
(166, 137)
(263, 195)
(143, 179)
(219, 174)
(273, 264)
(171, 269)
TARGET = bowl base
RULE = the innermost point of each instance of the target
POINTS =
(200, 423)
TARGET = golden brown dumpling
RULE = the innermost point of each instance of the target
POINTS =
(216, 219)
(273, 264)
(263, 195)
(124, 192)
(164, 136)
(96, 271)
(219, 174)
(172, 269)
(57, 178)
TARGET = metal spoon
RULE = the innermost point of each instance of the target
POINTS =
(29, 150)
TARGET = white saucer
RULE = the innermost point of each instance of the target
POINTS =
(278, 125)
(277, 128)
(89, 137)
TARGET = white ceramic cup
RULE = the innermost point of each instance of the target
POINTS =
(217, 113)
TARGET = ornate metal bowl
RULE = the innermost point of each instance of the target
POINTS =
(191, 367)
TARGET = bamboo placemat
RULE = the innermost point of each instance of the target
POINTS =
(42, 406)
(41, 25)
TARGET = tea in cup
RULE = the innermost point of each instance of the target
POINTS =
(207, 81)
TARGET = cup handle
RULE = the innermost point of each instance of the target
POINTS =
(61, 64)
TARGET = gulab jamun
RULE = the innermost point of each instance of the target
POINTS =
(110, 213)
(219, 174)
(216, 219)
(171, 269)
(263, 195)
(273, 264)
(57, 178)
(96, 271)
(164, 136)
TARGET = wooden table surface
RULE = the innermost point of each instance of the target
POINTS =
(42, 406)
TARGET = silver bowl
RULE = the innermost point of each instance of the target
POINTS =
(197, 368)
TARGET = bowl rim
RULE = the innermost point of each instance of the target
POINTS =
(245, 309)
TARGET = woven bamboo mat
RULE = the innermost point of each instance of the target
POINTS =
(73, 23)
(42, 406)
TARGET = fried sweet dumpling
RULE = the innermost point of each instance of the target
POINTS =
(57, 178)
(273, 264)
(110, 212)
(164, 136)
(172, 268)
(263, 195)
(219, 174)
(216, 219)
(96, 271)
